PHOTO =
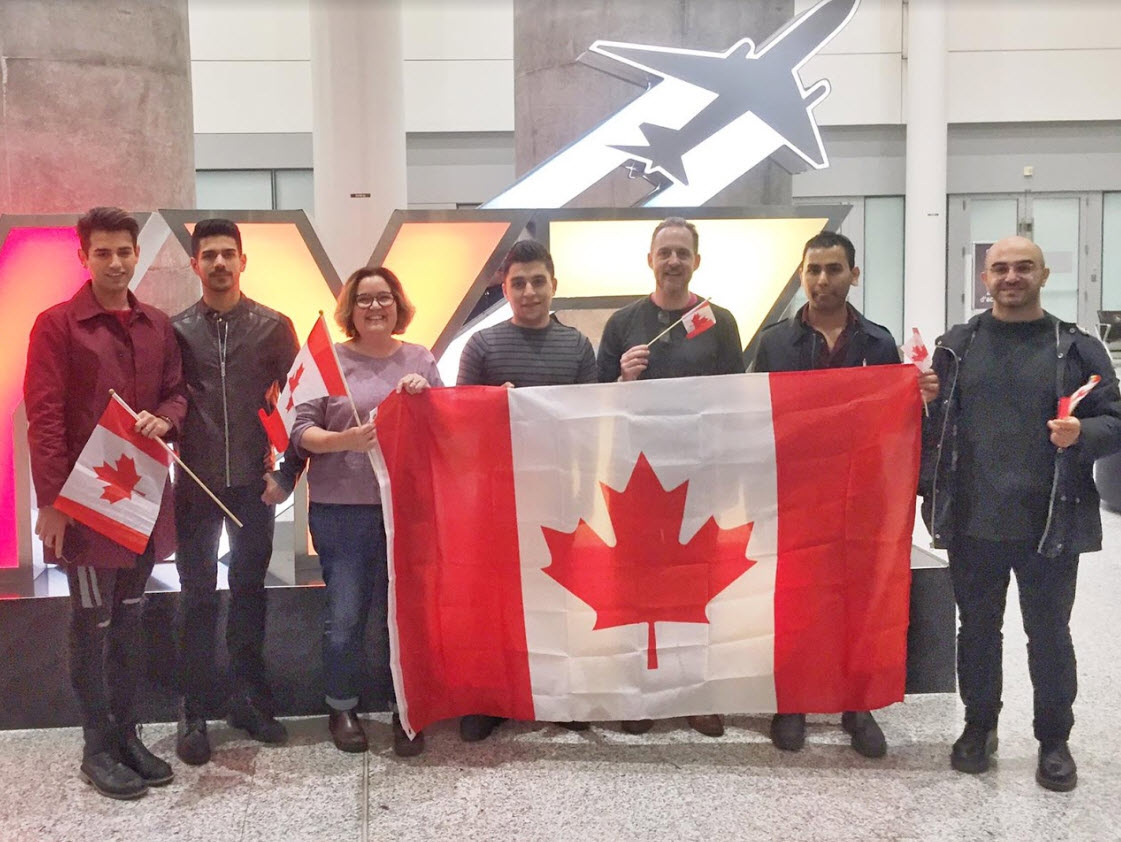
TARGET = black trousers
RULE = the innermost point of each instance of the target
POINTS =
(106, 647)
(198, 522)
(980, 571)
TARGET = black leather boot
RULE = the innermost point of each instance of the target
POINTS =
(102, 770)
(135, 755)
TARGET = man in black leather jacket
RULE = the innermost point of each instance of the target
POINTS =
(1008, 486)
(828, 332)
(234, 350)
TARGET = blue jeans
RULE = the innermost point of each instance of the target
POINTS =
(350, 541)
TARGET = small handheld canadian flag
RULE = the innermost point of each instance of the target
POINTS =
(117, 483)
(315, 373)
(698, 320)
(1067, 405)
(915, 351)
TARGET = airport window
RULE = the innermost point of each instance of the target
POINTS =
(255, 189)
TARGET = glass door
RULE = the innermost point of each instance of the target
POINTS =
(1067, 227)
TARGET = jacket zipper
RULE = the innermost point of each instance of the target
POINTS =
(223, 338)
(1055, 473)
(942, 441)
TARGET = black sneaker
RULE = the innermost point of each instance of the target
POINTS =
(1056, 770)
(260, 725)
(867, 738)
(112, 778)
(973, 749)
(788, 731)
(476, 727)
(135, 755)
(191, 742)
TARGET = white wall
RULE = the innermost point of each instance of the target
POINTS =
(1009, 61)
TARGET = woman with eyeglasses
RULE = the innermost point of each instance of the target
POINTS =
(345, 514)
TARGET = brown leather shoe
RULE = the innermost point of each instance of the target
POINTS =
(346, 730)
(402, 745)
(710, 724)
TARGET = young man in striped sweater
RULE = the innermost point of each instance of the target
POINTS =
(530, 349)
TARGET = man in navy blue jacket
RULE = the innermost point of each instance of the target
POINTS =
(828, 332)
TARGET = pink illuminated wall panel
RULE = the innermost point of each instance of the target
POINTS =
(38, 268)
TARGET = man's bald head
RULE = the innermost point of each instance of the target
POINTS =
(1014, 275)
(1017, 245)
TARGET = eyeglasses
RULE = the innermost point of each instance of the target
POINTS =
(382, 299)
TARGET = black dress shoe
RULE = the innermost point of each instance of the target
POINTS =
(347, 731)
(637, 726)
(402, 745)
(973, 749)
(475, 727)
(191, 742)
(1056, 770)
(788, 731)
(135, 755)
(112, 778)
(259, 724)
(867, 738)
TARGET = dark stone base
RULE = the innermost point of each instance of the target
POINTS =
(35, 690)
(34, 680)
(932, 635)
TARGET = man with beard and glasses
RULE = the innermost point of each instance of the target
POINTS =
(1008, 486)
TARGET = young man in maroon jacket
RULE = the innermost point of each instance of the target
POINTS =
(102, 339)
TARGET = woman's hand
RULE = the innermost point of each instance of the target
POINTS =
(412, 384)
(360, 439)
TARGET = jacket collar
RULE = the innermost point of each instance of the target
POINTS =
(806, 330)
(209, 312)
(86, 306)
(960, 334)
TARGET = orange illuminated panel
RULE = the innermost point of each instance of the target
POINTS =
(281, 273)
(38, 268)
(438, 263)
(745, 263)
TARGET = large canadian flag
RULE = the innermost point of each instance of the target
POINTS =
(651, 549)
(116, 486)
(315, 373)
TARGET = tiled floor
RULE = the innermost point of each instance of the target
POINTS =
(541, 782)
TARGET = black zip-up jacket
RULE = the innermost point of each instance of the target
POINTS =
(230, 360)
(792, 345)
(1073, 518)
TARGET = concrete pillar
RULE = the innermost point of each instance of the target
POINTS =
(556, 100)
(95, 105)
(924, 286)
(358, 131)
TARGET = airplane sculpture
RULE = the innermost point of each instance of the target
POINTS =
(705, 119)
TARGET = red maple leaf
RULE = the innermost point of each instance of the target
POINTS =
(293, 383)
(701, 323)
(649, 576)
(294, 380)
(119, 480)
